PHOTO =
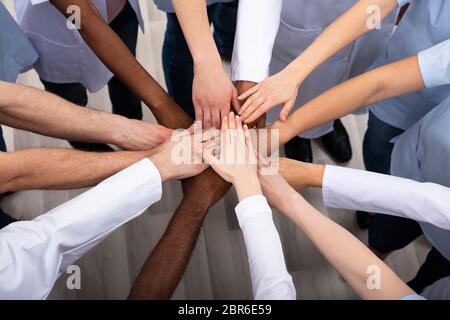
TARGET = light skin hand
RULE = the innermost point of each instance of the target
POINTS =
(281, 88)
(177, 165)
(212, 93)
(237, 160)
(243, 86)
(140, 135)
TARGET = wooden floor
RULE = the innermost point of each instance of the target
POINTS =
(218, 268)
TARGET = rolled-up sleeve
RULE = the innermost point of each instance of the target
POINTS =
(435, 65)
(367, 191)
(270, 279)
(33, 254)
(256, 30)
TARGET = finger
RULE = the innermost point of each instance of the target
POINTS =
(198, 113)
(255, 106)
(257, 113)
(210, 134)
(235, 103)
(249, 102)
(231, 121)
(211, 160)
(207, 119)
(248, 93)
(240, 130)
(215, 119)
(223, 113)
(286, 110)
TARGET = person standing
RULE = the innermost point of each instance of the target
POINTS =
(67, 67)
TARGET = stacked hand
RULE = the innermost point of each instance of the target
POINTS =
(139, 135)
(181, 156)
(280, 88)
(213, 94)
(236, 160)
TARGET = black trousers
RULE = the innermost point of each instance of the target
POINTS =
(388, 233)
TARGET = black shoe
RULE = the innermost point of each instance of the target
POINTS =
(337, 143)
(91, 147)
(364, 219)
(299, 149)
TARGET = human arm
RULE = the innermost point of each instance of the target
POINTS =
(430, 68)
(35, 253)
(351, 258)
(212, 90)
(353, 189)
(30, 109)
(237, 164)
(389, 81)
(282, 87)
(110, 49)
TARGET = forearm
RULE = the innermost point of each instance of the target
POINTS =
(61, 168)
(193, 18)
(389, 81)
(110, 49)
(166, 264)
(352, 259)
(299, 174)
(347, 28)
(34, 110)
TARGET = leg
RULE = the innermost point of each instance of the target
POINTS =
(124, 102)
(377, 146)
(178, 65)
(389, 233)
(75, 93)
(435, 267)
(377, 150)
(223, 17)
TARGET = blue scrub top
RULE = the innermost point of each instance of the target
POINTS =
(422, 153)
(16, 52)
(425, 24)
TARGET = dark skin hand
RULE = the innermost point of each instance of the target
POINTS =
(169, 259)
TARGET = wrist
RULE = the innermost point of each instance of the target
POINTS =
(315, 175)
(297, 72)
(119, 132)
(247, 186)
(207, 62)
(162, 167)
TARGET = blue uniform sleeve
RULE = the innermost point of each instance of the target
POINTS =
(435, 65)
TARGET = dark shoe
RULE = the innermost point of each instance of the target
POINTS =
(364, 219)
(91, 147)
(337, 143)
(299, 149)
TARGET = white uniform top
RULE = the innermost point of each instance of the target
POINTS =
(33, 254)
(270, 279)
(272, 33)
(373, 192)
(64, 56)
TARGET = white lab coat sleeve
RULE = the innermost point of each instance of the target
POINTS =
(401, 3)
(270, 279)
(33, 254)
(435, 65)
(256, 30)
(367, 191)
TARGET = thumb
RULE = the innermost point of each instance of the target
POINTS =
(286, 109)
